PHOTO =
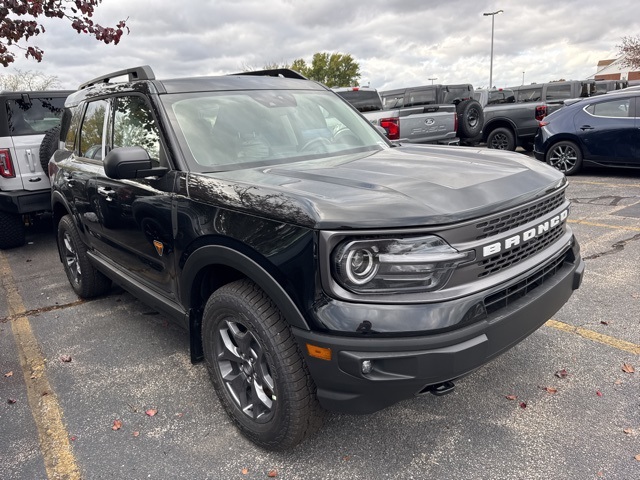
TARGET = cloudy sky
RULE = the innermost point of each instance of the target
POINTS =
(396, 42)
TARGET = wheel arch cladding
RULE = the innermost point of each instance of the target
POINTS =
(230, 260)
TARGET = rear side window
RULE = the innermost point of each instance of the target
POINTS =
(33, 116)
(618, 108)
(558, 92)
(530, 94)
(363, 100)
(421, 97)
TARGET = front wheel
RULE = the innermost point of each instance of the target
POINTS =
(85, 280)
(501, 139)
(257, 369)
(565, 156)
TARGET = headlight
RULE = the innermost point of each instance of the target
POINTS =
(396, 265)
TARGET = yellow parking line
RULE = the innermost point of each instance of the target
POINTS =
(604, 225)
(595, 336)
(58, 458)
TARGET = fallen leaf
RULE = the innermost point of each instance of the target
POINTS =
(73, 438)
(136, 434)
(628, 431)
(599, 393)
(346, 458)
(602, 322)
(637, 457)
(618, 382)
(45, 393)
(523, 405)
(65, 358)
(117, 425)
(551, 390)
(511, 397)
(244, 471)
(180, 415)
(11, 401)
(151, 412)
(562, 373)
(8, 374)
(274, 473)
(628, 368)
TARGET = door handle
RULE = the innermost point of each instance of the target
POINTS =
(586, 127)
(108, 193)
(29, 155)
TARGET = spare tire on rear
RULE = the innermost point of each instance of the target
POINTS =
(50, 143)
(470, 118)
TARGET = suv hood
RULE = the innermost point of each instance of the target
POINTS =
(401, 187)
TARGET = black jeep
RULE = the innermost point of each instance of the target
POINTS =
(313, 265)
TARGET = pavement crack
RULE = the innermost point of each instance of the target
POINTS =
(37, 311)
(615, 248)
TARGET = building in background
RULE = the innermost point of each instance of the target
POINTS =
(615, 70)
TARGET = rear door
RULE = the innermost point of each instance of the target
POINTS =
(608, 131)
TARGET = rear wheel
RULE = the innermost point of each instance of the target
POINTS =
(257, 369)
(565, 156)
(11, 230)
(501, 139)
(85, 280)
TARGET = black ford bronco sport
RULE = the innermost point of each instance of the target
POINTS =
(313, 265)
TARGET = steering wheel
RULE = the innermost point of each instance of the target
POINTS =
(315, 142)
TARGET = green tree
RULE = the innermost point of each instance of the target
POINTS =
(19, 22)
(630, 50)
(333, 70)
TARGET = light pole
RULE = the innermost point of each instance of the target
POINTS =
(432, 79)
(493, 17)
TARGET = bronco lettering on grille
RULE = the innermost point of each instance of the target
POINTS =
(523, 237)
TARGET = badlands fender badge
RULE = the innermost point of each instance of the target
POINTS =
(523, 237)
(159, 247)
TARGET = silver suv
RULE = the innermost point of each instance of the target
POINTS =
(24, 183)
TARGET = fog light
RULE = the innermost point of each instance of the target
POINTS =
(366, 366)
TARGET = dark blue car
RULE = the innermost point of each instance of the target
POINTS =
(602, 130)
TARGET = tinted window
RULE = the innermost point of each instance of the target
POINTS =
(93, 129)
(558, 92)
(529, 94)
(421, 97)
(134, 126)
(76, 117)
(395, 100)
(363, 100)
(33, 116)
(501, 96)
(613, 108)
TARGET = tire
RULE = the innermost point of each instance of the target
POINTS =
(565, 156)
(84, 278)
(50, 143)
(257, 369)
(470, 118)
(12, 231)
(501, 139)
(527, 146)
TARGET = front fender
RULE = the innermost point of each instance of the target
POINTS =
(222, 255)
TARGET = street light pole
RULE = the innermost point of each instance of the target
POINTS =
(493, 16)
(432, 79)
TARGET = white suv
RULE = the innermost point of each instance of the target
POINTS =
(24, 182)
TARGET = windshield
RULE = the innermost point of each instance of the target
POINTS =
(229, 130)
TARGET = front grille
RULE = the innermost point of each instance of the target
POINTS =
(503, 260)
(505, 297)
(516, 218)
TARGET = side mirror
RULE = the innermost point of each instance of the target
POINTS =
(130, 162)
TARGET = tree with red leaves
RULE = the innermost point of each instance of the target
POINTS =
(19, 22)
(630, 50)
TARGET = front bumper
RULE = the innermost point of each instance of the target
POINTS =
(403, 367)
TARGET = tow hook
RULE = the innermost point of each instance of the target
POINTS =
(441, 388)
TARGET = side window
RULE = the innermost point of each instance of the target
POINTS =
(615, 108)
(421, 97)
(75, 114)
(134, 126)
(92, 130)
(558, 92)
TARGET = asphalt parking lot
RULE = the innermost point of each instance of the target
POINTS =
(105, 389)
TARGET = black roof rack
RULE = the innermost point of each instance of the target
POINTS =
(276, 72)
(143, 72)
